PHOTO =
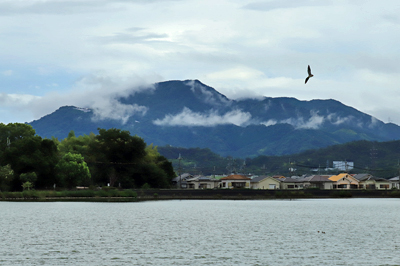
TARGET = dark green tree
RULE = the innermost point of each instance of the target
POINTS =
(6, 177)
(26, 152)
(116, 154)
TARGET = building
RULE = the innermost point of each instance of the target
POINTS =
(344, 181)
(202, 182)
(317, 181)
(265, 182)
(235, 181)
(343, 165)
(368, 181)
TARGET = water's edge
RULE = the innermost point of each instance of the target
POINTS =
(232, 194)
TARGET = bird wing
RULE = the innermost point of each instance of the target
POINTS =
(309, 70)
(306, 80)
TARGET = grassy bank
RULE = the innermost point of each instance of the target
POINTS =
(68, 194)
(113, 194)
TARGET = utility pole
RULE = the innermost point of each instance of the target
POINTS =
(373, 154)
(398, 168)
(179, 171)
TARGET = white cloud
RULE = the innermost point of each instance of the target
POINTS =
(314, 122)
(7, 72)
(270, 122)
(99, 92)
(190, 118)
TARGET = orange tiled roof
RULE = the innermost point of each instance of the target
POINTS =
(337, 177)
(235, 177)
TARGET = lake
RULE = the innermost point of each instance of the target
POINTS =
(209, 232)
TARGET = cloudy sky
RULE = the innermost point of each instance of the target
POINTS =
(87, 52)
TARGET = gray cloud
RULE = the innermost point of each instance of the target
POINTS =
(65, 7)
(352, 47)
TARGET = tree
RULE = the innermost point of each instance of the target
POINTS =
(12, 133)
(26, 152)
(28, 180)
(73, 144)
(116, 154)
(73, 171)
(6, 176)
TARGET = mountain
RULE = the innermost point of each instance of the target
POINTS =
(192, 114)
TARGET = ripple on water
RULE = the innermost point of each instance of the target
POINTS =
(275, 232)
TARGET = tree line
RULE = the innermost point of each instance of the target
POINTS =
(113, 158)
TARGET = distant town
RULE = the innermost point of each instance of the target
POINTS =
(340, 181)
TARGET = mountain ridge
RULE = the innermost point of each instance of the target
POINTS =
(191, 114)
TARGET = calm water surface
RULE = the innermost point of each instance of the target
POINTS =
(269, 232)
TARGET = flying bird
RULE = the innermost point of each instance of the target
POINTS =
(309, 74)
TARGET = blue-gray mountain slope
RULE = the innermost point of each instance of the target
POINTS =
(191, 114)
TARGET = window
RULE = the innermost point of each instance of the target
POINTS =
(238, 184)
(290, 186)
(384, 186)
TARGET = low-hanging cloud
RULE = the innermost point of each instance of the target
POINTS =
(315, 121)
(99, 92)
(189, 118)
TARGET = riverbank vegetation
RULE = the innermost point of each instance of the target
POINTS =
(113, 158)
(68, 194)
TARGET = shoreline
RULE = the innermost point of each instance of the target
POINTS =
(215, 194)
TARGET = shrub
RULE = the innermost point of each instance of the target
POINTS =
(30, 194)
(127, 193)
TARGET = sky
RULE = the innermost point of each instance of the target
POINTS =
(87, 53)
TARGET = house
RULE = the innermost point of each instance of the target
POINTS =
(265, 182)
(394, 182)
(235, 181)
(368, 181)
(180, 180)
(291, 183)
(344, 181)
(202, 182)
(317, 181)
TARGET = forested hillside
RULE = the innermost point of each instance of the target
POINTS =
(378, 158)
